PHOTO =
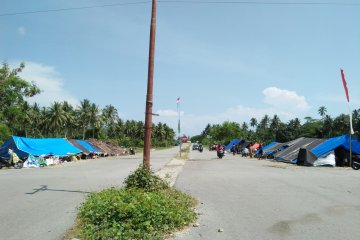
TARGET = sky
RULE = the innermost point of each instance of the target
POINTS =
(226, 61)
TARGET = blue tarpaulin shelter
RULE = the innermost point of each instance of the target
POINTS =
(37, 146)
(266, 147)
(89, 147)
(231, 143)
(335, 142)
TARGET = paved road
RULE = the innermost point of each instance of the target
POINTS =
(252, 199)
(41, 203)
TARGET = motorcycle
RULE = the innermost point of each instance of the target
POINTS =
(355, 164)
(5, 163)
(200, 148)
(220, 153)
(132, 151)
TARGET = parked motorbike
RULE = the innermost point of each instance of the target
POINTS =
(355, 164)
(200, 148)
(5, 163)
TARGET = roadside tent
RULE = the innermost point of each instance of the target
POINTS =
(335, 142)
(231, 143)
(89, 147)
(290, 153)
(37, 146)
(266, 147)
(271, 151)
(79, 146)
(245, 144)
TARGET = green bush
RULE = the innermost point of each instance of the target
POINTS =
(145, 179)
(134, 214)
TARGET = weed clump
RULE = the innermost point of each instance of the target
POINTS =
(146, 208)
(145, 179)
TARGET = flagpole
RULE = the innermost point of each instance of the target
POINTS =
(348, 100)
(178, 107)
(351, 132)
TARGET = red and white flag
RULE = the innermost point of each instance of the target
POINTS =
(347, 98)
(178, 100)
(345, 85)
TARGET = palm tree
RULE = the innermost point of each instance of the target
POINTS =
(94, 118)
(274, 125)
(322, 111)
(110, 117)
(56, 118)
(84, 115)
(70, 117)
(253, 123)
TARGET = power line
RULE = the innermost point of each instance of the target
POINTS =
(183, 2)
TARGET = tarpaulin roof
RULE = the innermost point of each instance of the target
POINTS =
(37, 146)
(266, 147)
(88, 146)
(232, 142)
(79, 146)
(335, 142)
(289, 154)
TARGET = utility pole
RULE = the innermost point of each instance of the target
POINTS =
(149, 96)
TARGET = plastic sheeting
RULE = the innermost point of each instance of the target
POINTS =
(232, 142)
(89, 147)
(37, 146)
(329, 160)
(333, 143)
(291, 153)
(267, 147)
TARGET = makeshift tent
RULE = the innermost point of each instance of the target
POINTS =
(307, 158)
(89, 147)
(266, 147)
(290, 153)
(335, 142)
(232, 142)
(245, 144)
(271, 151)
(37, 146)
(79, 146)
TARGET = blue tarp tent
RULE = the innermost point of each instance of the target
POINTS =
(231, 143)
(37, 146)
(266, 147)
(89, 147)
(333, 143)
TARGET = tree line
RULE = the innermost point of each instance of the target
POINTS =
(270, 129)
(61, 119)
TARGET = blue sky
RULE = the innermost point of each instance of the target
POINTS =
(226, 61)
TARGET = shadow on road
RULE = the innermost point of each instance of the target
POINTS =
(44, 188)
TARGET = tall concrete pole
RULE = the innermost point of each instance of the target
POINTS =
(149, 96)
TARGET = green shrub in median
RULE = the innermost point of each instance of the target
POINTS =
(138, 211)
(145, 179)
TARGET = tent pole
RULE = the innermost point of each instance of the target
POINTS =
(350, 149)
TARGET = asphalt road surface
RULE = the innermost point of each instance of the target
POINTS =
(258, 199)
(41, 203)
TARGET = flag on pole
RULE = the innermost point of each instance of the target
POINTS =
(347, 98)
(345, 85)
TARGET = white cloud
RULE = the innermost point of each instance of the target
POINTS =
(285, 99)
(48, 80)
(21, 31)
(284, 103)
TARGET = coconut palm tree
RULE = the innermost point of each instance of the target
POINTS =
(94, 118)
(253, 123)
(322, 111)
(56, 118)
(83, 112)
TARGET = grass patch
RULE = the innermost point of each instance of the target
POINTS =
(146, 208)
